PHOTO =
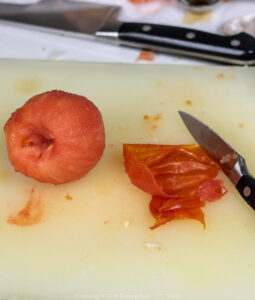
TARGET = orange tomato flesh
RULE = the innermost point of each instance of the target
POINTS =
(180, 179)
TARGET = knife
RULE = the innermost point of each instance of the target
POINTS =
(230, 161)
(101, 21)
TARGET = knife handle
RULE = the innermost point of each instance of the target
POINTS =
(236, 49)
(246, 188)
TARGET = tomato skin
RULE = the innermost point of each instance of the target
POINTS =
(211, 190)
(161, 170)
(185, 204)
(140, 174)
(145, 55)
(179, 178)
(193, 213)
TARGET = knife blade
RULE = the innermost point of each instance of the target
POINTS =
(230, 161)
(73, 17)
(101, 21)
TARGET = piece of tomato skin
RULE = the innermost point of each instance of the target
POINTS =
(140, 161)
(207, 191)
(194, 213)
(186, 204)
(164, 215)
(161, 205)
(212, 190)
(177, 183)
(140, 175)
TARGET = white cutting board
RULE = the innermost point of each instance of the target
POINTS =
(92, 247)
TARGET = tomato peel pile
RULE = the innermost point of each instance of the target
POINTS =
(180, 179)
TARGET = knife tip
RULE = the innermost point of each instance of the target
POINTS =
(182, 113)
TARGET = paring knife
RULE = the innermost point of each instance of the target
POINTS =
(232, 163)
(101, 21)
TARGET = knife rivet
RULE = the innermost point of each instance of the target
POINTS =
(190, 35)
(235, 43)
(247, 191)
(146, 28)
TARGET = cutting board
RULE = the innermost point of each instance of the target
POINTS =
(92, 239)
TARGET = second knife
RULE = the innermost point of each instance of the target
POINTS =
(101, 21)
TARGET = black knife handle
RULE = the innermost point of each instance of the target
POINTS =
(246, 188)
(237, 49)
